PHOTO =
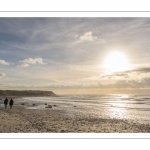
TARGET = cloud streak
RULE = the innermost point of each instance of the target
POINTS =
(127, 74)
(139, 70)
(116, 74)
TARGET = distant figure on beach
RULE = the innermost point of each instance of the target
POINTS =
(6, 102)
(11, 103)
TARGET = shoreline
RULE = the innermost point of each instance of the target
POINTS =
(22, 120)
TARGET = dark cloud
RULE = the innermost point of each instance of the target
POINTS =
(116, 74)
(143, 83)
(140, 70)
(127, 73)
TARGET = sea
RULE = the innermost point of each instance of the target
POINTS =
(134, 108)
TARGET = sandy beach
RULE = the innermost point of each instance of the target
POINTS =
(22, 120)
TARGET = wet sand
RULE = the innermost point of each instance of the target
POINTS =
(22, 120)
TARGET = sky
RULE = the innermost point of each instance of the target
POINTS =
(75, 55)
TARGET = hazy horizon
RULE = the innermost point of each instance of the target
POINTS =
(75, 55)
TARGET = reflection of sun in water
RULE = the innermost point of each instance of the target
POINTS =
(119, 107)
(116, 61)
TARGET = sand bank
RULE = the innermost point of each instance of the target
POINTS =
(22, 120)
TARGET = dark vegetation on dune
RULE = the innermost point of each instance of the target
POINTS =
(26, 93)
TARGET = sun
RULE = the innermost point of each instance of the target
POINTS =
(116, 61)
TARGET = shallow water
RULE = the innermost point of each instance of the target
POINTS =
(135, 108)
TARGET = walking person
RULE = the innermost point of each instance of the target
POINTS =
(6, 102)
(11, 103)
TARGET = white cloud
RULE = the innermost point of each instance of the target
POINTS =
(2, 75)
(88, 36)
(24, 65)
(3, 62)
(33, 61)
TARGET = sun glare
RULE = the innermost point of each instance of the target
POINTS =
(116, 61)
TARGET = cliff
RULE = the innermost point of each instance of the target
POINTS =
(26, 93)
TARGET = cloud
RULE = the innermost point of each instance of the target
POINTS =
(3, 62)
(33, 61)
(116, 74)
(30, 61)
(143, 83)
(124, 84)
(127, 73)
(24, 65)
(88, 36)
(2, 75)
(127, 84)
(140, 70)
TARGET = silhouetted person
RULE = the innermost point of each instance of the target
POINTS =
(6, 102)
(11, 103)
